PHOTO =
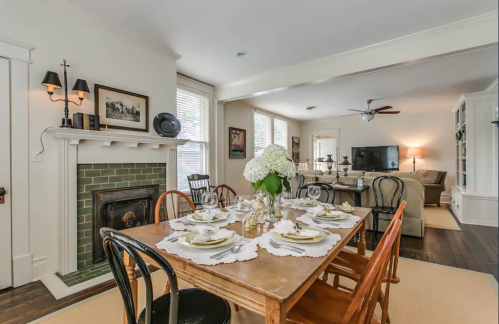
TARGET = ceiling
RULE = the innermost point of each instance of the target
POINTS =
(277, 33)
(431, 85)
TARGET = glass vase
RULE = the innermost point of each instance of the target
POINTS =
(271, 207)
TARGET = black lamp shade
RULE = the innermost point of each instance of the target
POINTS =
(81, 86)
(52, 79)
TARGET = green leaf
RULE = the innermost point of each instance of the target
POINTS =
(273, 183)
(286, 184)
(256, 185)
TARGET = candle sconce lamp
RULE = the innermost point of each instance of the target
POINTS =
(52, 81)
(345, 164)
(329, 163)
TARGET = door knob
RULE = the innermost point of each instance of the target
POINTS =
(2, 193)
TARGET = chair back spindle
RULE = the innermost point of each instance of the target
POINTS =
(198, 185)
(175, 204)
(113, 242)
(225, 194)
(393, 192)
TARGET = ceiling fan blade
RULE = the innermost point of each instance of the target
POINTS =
(383, 108)
(388, 112)
(350, 115)
(356, 110)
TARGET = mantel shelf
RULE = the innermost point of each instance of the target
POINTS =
(107, 138)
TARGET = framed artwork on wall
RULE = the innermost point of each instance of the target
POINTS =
(295, 143)
(296, 156)
(237, 143)
(121, 109)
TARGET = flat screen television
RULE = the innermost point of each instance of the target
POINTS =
(375, 158)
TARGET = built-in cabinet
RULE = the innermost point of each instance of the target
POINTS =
(474, 197)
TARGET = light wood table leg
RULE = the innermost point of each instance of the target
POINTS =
(361, 245)
(130, 270)
(275, 312)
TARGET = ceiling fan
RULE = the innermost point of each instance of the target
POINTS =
(369, 114)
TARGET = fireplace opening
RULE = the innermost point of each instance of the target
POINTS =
(121, 209)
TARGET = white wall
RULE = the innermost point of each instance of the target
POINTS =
(240, 115)
(97, 54)
(433, 132)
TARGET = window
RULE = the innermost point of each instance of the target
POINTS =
(193, 157)
(281, 132)
(269, 130)
(262, 133)
(323, 147)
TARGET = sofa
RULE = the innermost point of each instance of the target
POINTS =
(434, 185)
(414, 194)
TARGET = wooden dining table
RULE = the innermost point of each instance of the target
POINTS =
(268, 285)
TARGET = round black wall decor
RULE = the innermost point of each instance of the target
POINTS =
(166, 125)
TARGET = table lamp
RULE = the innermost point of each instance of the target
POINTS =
(414, 152)
(329, 163)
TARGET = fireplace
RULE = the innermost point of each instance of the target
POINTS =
(120, 209)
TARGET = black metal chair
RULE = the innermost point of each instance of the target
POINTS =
(301, 182)
(191, 305)
(383, 206)
(327, 188)
(198, 185)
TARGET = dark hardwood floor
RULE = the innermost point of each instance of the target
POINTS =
(474, 248)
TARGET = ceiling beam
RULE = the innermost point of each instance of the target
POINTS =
(460, 37)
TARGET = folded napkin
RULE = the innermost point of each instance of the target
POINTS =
(317, 211)
(215, 212)
(288, 227)
(207, 233)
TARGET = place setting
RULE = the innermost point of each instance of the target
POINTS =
(210, 245)
(327, 217)
(215, 216)
(293, 239)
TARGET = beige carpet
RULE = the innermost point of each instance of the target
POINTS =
(440, 217)
(427, 293)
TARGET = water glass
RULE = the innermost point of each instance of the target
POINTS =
(314, 192)
(209, 201)
(242, 204)
(285, 203)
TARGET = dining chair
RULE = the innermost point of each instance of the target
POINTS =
(393, 188)
(192, 305)
(179, 205)
(352, 265)
(226, 195)
(198, 185)
(326, 188)
(301, 182)
(325, 304)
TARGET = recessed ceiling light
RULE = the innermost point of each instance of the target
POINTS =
(242, 54)
(311, 107)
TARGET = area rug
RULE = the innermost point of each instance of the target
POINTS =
(440, 217)
(427, 293)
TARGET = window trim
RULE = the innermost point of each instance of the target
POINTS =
(201, 89)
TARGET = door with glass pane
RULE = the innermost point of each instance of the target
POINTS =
(5, 207)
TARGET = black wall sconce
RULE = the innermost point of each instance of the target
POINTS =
(51, 80)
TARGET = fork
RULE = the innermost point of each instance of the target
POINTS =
(173, 239)
(285, 246)
(317, 222)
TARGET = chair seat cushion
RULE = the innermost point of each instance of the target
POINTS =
(322, 304)
(352, 265)
(196, 306)
(430, 176)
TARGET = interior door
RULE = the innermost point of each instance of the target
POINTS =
(5, 178)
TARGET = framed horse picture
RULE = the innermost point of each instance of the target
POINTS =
(237, 145)
(121, 109)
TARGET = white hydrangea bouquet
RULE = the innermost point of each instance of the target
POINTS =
(270, 172)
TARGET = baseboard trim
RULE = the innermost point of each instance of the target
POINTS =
(59, 290)
(39, 268)
(23, 271)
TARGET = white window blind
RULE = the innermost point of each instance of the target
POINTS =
(193, 114)
(281, 132)
(262, 132)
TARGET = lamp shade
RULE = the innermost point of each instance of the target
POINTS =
(51, 80)
(81, 86)
(345, 161)
(414, 152)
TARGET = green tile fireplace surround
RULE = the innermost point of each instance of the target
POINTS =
(107, 176)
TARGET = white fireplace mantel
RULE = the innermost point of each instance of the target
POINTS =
(76, 146)
(107, 138)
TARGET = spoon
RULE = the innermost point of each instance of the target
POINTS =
(234, 250)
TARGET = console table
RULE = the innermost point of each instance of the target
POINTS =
(354, 192)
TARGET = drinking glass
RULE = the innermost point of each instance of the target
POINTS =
(285, 203)
(209, 201)
(314, 192)
(242, 204)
